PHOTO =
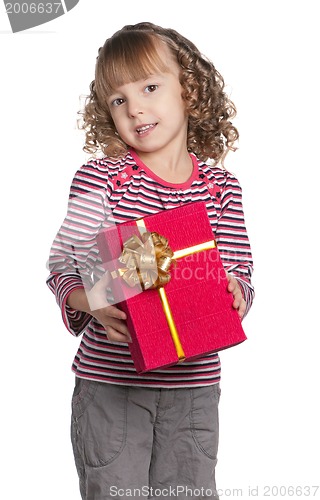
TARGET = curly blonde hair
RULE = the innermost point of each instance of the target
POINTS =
(130, 55)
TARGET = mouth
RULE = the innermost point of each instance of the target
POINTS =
(145, 128)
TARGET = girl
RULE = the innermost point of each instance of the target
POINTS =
(157, 112)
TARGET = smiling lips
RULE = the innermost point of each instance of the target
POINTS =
(145, 128)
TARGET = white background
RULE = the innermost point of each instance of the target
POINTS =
(268, 53)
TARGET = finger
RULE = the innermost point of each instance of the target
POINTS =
(236, 303)
(105, 278)
(116, 336)
(232, 285)
(103, 282)
(242, 308)
(237, 298)
(117, 324)
(115, 312)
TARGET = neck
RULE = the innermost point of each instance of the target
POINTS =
(173, 167)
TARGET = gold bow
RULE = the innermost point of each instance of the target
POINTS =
(146, 261)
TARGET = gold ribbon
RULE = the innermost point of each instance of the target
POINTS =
(148, 261)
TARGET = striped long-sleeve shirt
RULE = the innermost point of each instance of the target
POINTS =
(106, 192)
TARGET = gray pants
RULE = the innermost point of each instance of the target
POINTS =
(132, 442)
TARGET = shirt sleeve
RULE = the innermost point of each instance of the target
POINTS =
(74, 258)
(232, 238)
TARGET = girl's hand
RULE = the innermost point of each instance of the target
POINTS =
(238, 303)
(110, 317)
(113, 321)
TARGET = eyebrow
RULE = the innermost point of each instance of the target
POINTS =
(153, 75)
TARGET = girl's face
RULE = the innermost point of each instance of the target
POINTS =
(149, 114)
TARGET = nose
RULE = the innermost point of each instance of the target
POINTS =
(135, 107)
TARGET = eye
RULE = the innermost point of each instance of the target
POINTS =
(117, 102)
(151, 88)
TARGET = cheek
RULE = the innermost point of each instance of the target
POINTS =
(119, 127)
(116, 114)
(114, 119)
(122, 131)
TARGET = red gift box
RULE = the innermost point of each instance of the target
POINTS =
(192, 314)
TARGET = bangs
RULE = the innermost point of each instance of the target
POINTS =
(128, 57)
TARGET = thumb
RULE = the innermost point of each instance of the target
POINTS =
(97, 297)
(105, 278)
(103, 281)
